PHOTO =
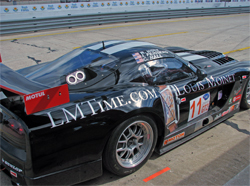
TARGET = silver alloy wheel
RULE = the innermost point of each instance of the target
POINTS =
(134, 144)
(248, 93)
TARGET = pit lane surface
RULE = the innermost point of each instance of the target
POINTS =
(216, 157)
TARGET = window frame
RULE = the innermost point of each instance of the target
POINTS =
(193, 70)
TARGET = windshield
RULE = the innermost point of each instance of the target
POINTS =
(53, 74)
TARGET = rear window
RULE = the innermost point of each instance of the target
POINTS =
(96, 63)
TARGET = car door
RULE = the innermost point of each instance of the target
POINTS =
(184, 95)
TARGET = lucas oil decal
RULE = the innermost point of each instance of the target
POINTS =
(199, 106)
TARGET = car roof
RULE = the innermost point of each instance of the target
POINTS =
(123, 49)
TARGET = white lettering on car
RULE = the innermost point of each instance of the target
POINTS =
(205, 84)
(102, 106)
(11, 166)
(34, 96)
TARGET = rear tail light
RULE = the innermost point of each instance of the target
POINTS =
(16, 126)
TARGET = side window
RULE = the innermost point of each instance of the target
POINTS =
(165, 70)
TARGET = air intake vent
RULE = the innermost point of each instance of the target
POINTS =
(208, 54)
(223, 60)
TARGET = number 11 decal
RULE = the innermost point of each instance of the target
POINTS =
(199, 106)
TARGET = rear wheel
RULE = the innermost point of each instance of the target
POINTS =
(130, 145)
(245, 101)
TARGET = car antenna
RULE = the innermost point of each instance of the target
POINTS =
(103, 46)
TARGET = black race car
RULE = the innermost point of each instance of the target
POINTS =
(112, 103)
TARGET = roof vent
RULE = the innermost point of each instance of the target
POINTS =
(224, 60)
(208, 54)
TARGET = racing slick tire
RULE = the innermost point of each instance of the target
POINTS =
(245, 101)
(130, 146)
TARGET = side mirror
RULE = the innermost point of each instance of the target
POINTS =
(201, 74)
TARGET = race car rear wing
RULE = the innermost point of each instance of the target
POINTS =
(16, 83)
(37, 97)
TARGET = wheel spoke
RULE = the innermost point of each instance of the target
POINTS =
(120, 150)
(138, 134)
(122, 154)
(131, 133)
(129, 153)
(125, 136)
(133, 147)
(122, 141)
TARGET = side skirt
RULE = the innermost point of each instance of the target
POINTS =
(196, 133)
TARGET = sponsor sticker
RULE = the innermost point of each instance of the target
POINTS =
(220, 95)
(225, 113)
(13, 173)
(237, 91)
(95, 106)
(199, 106)
(207, 83)
(230, 109)
(237, 98)
(11, 166)
(148, 55)
(183, 99)
(46, 99)
(206, 96)
(168, 105)
(174, 138)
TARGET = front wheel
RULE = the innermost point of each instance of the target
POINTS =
(245, 101)
(130, 145)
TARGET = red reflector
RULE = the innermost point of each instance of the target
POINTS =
(244, 77)
(46, 99)
(183, 99)
(13, 173)
(12, 125)
(0, 59)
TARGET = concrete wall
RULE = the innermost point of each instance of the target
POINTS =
(23, 12)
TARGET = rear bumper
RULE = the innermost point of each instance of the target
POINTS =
(70, 176)
(14, 168)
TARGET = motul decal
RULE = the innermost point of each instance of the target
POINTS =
(46, 99)
(34, 96)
